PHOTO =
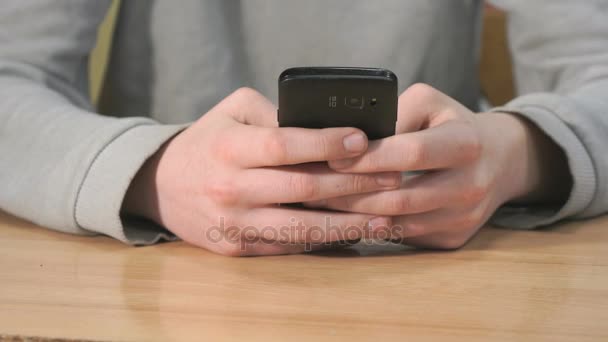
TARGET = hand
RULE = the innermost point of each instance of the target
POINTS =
(473, 163)
(217, 184)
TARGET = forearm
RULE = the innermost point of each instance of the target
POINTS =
(577, 123)
(561, 70)
(49, 149)
(62, 165)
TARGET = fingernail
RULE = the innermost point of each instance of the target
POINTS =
(379, 223)
(354, 142)
(388, 180)
(340, 164)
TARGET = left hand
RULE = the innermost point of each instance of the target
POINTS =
(473, 163)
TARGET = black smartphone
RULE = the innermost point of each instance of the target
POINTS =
(320, 97)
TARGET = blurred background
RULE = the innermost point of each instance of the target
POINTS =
(495, 65)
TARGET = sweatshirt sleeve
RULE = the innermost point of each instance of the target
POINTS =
(560, 54)
(63, 166)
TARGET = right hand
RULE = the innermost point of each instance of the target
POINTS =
(234, 165)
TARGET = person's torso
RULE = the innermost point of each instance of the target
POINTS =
(174, 60)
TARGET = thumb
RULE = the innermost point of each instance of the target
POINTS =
(422, 106)
(249, 107)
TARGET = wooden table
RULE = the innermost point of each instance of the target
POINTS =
(505, 285)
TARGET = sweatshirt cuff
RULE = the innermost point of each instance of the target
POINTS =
(101, 194)
(544, 110)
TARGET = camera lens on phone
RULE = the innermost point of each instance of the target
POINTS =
(355, 102)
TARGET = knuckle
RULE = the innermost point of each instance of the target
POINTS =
(231, 224)
(475, 147)
(422, 90)
(232, 250)
(475, 193)
(412, 229)
(222, 149)
(465, 223)
(223, 192)
(306, 186)
(232, 237)
(452, 242)
(371, 162)
(232, 233)
(345, 203)
(400, 204)
(471, 148)
(359, 183)
(275, 147)
(415, 154)
(321, 145)
(470, 220)
(478, 217)
(245, 92)
(452, 113)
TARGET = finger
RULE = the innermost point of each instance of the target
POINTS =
(249, 107)
(262, 146)
(308, 182)
(414, 107)
(422, 106)
(460, 221)
(234, 240)
(464, 225)
(418, 194)
(308, 226)
(448, 145)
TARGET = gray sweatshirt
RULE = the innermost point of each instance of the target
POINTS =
(67, 166)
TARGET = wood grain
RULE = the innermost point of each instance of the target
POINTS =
(505, 285)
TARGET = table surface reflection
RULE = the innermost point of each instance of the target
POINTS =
(549, 284)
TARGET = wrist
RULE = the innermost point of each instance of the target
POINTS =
(505, 146)
(141, 199)
(536, 166)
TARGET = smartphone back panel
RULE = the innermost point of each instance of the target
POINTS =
(365, 98)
